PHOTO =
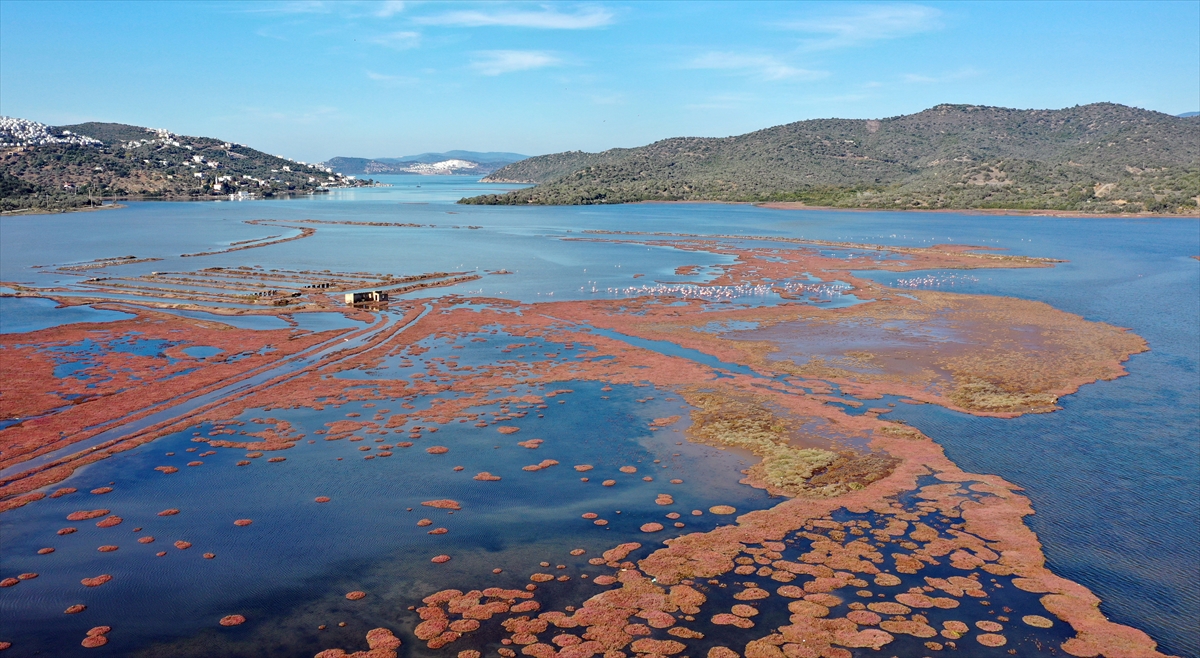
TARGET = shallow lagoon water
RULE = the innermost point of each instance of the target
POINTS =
(256, 322)
(302, 548)
(19, 315)
(1111, 475)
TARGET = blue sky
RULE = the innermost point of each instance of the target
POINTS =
(311, 80)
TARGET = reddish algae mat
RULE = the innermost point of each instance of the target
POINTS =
(733, 485)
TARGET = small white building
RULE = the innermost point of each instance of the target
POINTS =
(369, 296)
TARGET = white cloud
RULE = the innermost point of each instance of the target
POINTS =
(723, 102)
(609, 99)
(496, 62)
(268, 34)
(398, 40)
(293, 7)
(764, 67)
(865, 23)
(391, 80)
(352, 8)
(961, 74)
(303, 117)
(546, 19)
(390, 8)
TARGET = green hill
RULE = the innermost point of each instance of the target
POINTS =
(1097, 158)
(50, 168)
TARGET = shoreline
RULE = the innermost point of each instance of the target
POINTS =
(771, 205)
(60, 211)
(134, 198)
(797, 205)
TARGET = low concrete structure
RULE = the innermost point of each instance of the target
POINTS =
(369, 296)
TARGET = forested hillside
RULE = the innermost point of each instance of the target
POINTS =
(1099, 158)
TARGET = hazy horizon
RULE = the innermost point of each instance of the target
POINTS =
(315, 80)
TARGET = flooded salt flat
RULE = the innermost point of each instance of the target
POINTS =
(1121, 456)
(302, 548)
(473, 238)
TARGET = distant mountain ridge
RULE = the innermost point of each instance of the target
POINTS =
(473, 156)
(62, 167)
(1102, 157)
(467, 162)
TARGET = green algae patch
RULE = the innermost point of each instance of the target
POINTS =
(981, 395)
(749, 424)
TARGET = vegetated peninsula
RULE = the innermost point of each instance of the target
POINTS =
(1099, 158)
(67, 167)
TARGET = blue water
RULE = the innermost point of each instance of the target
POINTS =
(299, 558)
(671, 349)
(514, 239)
(75, 359)
(256, 322)
(728, 325)
(324, 321)
(202, 351)
(471, 350)
(1113, 476)
(19, 315)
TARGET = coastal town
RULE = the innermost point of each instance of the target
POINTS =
(64, 167)
(22, 132)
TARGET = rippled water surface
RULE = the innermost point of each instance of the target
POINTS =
(1113, 476)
